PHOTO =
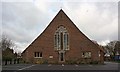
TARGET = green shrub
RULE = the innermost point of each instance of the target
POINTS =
(71, 62)
(94, 62)
(45, 62)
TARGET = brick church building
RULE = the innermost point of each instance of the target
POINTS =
(63, 42)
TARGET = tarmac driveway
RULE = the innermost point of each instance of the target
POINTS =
(108, 66)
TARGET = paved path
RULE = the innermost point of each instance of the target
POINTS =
(28, 67)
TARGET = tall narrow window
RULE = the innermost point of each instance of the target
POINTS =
(61, 43)
(58, 42)
(62, 57)
(35, 54)
(61, 39)
(64, 40)
(55, 41)
(67, 39)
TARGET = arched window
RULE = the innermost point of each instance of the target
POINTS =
(61, 39)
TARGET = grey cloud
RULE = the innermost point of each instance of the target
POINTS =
(23, 22)
(97, 20)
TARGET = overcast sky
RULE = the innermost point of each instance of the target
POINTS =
(23, 21)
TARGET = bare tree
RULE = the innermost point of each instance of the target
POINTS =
(7, 49)
(117, 48)
(6, 43)
(113, 48)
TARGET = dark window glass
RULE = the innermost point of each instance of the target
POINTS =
(55, 40)
(61, 36)
(61, 56)
(67, 38)
(38, 54)
(35, 54)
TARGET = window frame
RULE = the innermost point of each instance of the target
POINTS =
(86, 54)
(63, 30)
(38, 55)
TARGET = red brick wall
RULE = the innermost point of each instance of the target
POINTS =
(78, 42)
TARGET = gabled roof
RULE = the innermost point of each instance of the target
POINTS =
(60, 13)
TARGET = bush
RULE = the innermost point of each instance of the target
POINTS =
(94, 62)
(71, 62)
(56, 62)
(45, 62)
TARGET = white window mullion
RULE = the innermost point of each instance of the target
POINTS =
(65, 40)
